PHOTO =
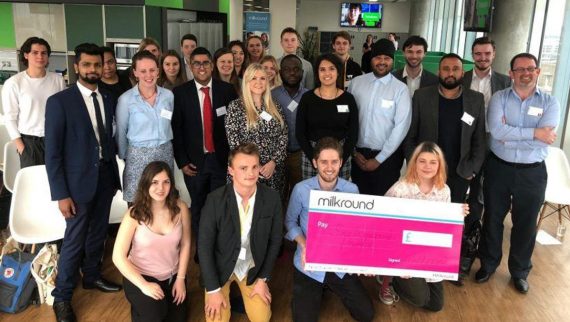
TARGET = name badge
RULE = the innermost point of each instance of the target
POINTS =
(387, 103)
(535, 111)
(292, 106)
(221, 111)
(166, 114)
(342, 108)
(265, 116)
(242, 253)
(468, 119)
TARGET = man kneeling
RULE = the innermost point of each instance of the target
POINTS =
(308, 286)
(239, 239)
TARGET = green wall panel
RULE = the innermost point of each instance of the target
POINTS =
(154, 23)
(178, 4)
(7, 34)
(83, 23)
(124, 22)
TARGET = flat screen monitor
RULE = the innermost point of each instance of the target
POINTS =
(478, 15)
(361, 15)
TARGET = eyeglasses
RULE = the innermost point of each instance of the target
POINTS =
(203, 64)
(289, 69)
(521, 70)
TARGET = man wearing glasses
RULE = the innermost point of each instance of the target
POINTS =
(522, 121)
(199, 136)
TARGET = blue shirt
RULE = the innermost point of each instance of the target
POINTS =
(385, 112)
(512, 122)
(298, 217)
(282, 97)
(142, 125)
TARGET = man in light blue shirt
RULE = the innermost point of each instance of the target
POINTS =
(308, 286)
(385, 113)
(288, 96)
(522, 121)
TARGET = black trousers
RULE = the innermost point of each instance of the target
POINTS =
(84, 237)
(458, 187)
(521, 188)
(209, 178)
(377, 182)
(34, 151)
(147, 309)
(420, 293)
(308, 293)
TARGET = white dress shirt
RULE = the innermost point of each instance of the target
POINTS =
(86, 94)
(201, 99)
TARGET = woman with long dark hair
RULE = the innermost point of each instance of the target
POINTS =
(327, 111)
(152, 249)
(171, 72)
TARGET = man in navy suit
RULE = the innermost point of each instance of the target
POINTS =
(83, 175)
(199, 141)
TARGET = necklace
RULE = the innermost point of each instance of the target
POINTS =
(147, 97)
(329, 97)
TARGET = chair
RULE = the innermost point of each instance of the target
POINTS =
(4, 138)
(119, 207)
(11, 165)
(181, 186)
(34, 218)
(557, 195)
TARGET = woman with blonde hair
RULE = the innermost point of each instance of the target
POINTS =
(255, 118)
(151, 45)
(424, 180)
(271, 67)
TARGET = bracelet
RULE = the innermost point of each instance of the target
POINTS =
(178, 277)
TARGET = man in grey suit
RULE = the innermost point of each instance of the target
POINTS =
(413, 74)
(485, 80)
(452, 116)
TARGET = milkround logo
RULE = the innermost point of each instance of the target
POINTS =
(8, 272)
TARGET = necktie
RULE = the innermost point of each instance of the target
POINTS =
(101, 129)
(208, 121)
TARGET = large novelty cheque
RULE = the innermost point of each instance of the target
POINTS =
(367, 234)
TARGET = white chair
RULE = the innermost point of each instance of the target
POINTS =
(11, 165)
(34, 218)
(119, 207)
(4, 138)
(181, 186)
(557, 195)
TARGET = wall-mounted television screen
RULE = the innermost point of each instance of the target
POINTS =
(478, 15)
(361, 15)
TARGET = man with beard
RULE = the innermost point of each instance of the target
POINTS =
(308, 286)
(83, 176)
(290, 44)
(384, 109)
(413, 74)
(486, 81)
(523, 121)
(288, 96)
(453, 117)
(341, 46)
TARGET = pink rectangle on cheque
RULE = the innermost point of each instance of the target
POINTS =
(377, 241)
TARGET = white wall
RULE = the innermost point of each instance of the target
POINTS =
(325, 14)
(283, 14)
(235, 18)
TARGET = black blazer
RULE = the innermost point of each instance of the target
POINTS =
(424, 127)
(72, 150)
(219, 235)
(427, 79)
(188, 142)
(498, 81)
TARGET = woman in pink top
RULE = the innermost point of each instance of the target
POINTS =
(152, 248)
(425, 180)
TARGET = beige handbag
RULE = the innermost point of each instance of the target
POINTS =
(44, 270)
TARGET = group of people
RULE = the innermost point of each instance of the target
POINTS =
(253, 135)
